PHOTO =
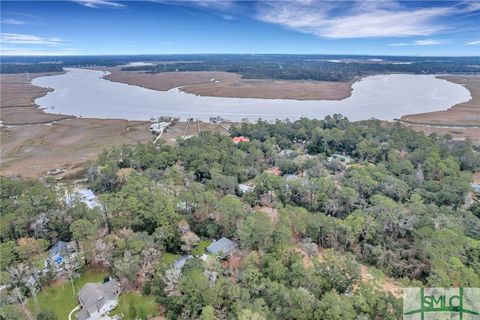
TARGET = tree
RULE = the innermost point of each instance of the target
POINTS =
(171, 279)
(208, 313)
(29, 247)
(230, 211)
(341, 272)
(46, 315)
(335, 307)
(126, 269)
(256, 231)
(8, 254)
(83, 231)
(247, 314)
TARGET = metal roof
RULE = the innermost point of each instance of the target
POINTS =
(86, 194)
(180, 262)
(222, 247)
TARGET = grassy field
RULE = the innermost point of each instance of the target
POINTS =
(169, 258)
(59, 297)
(202, 246)
(133, 306)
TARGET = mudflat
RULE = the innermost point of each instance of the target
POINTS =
(231, 85)
(35, 149)
(17, 104)
(34, 141)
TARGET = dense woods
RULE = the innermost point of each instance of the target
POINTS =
(319, 68)
(326, 198)
(287, 67)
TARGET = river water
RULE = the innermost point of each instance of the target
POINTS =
(85, 93)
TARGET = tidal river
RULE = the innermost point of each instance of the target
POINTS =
(85, 93)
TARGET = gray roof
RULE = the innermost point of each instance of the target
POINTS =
(60, 248)
(86, 194)
(83, 315)
(286, 152)
(476, 187)
(290, 177)
(245, 187)
(94, 295)
(342, 157)
(180, 262)
(222, 247)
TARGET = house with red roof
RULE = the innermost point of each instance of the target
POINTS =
(240, 139)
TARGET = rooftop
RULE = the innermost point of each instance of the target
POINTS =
(222, 247)
(180, 262)
(240, 139)
(94, 295)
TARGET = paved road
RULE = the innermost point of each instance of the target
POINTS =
(71, 312)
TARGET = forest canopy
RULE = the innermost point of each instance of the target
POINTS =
(327, 199)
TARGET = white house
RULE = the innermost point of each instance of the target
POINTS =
(85, 196)
(245, 188)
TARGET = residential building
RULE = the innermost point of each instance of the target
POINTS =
(60, 252)
(180, 262)
(245, 188)
(97, 299)
(85, 196)
(240, 139)
(222, 247)
(341, 157)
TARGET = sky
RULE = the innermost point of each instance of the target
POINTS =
(370, 27)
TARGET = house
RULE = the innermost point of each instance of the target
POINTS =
(85, 196)
(245, 188)
(216, 120)
(97, 299)
(237, 140)
(287, 153)
(290, 177)
(180, 262)
(341, 157)
(159, 127)
(59, 253)
(476, 188)
(222, 247)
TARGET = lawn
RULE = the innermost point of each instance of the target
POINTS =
(202, 246)
(59, 297)
(132, 305)
(169, 258)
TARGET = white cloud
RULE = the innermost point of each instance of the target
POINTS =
(99, 3)
(426, 42)
(469, 6)
(473, 43)
(13, 21)
(14, 51)
(358, 19)
(15, 38)
(214, 4)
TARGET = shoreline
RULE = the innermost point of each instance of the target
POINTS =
(55, 117)
(464, 114)
(30, 148)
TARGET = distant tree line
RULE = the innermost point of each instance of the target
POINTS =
(288, 67)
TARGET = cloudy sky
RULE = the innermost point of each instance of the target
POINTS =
(439, 28)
